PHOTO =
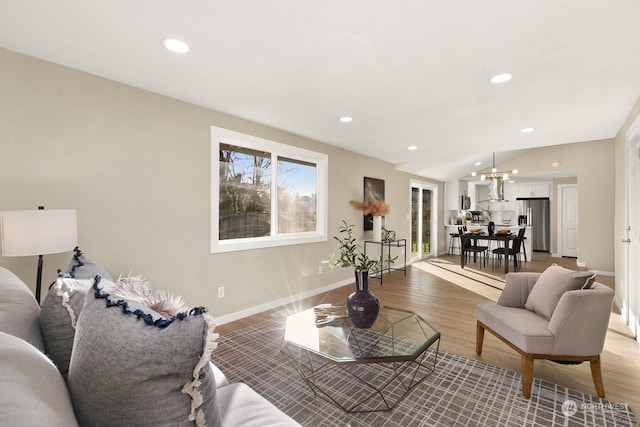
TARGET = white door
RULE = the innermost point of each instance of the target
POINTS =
(569, 221)
(424, 240)
(632, 291)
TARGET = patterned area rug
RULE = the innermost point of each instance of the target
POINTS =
(480, 282)
(461, 392)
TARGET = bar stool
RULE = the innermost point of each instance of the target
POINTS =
(454, 238)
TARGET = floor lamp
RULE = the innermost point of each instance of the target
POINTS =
(38, 232)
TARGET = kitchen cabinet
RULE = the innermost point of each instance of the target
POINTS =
(540, 189)
(452, 195)
(510, 191)
(482, 194)
(453, 191)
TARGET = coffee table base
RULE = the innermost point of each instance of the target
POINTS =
(360, 387)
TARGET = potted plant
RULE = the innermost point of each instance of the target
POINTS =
(362, 305)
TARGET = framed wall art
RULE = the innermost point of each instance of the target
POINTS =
(373, 190)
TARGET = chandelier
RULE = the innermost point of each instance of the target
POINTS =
(496, 180)
(494, 172)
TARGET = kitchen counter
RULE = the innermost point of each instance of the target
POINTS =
(514, 229)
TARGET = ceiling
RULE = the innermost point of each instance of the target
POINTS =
(409, 72)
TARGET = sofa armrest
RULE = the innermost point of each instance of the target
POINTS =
(240, 405)
(516, 289)
(580, 321)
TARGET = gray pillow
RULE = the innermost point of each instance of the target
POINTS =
(32, 392)
(58, 316)
(63, 304)
(131, 366)
(82, 267)
(550, 286)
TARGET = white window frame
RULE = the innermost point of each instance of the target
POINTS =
(226, 136)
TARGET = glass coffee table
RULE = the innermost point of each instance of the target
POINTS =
(362, 370)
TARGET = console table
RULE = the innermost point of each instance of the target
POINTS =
(388, 244)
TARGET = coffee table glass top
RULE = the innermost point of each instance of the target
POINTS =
(397, 335)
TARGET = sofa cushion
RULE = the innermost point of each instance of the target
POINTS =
(131, 366)
(19, 311)
(58, 316)
(523, 328)
(550, 286)
(234, 401)
(32, 392)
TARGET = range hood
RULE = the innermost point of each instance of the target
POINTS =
(496, 189)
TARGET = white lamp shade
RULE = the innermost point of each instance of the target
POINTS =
(38, 232)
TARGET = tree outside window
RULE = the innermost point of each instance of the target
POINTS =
(268, 194)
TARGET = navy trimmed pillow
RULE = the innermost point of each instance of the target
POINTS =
(132, 366)
(63, 304)
(82, 267)
(58, 316)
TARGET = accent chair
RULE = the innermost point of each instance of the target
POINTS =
(558, 315)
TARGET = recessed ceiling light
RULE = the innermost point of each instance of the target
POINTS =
(501, 78)
(527, 130)
(175, 45)
(346, 119)
(477, 163)
(412, 147)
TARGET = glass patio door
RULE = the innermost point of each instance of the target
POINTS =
(422, 220)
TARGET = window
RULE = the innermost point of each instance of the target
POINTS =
(265, 193)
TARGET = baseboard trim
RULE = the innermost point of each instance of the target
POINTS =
(221, 320)
(619, 306)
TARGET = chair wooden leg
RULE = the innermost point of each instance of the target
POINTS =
(479, 337)
(527, 374)
(596, 373)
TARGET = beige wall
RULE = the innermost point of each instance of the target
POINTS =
(593, 163)
(136, 167)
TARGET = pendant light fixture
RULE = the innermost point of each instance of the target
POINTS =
(496, 180)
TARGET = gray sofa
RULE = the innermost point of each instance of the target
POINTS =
(34, 391)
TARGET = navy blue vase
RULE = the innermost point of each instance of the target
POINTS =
(362, 305)
(491, 228)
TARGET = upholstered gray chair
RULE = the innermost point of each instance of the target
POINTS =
(558, 315)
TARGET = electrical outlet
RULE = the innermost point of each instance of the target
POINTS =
(221, 292)
(320, 269)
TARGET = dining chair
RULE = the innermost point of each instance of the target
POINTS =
(514, 250)
(468, 247)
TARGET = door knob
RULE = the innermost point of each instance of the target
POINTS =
(626, 240)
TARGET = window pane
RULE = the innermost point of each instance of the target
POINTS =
(296, 196)
(426, 222)
(245, 193)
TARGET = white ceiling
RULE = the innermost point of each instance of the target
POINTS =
(410, 72)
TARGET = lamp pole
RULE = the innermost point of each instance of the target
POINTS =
(39, 276)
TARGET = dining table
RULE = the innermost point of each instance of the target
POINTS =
(505, 238)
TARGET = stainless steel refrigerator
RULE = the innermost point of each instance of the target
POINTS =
(537, 213)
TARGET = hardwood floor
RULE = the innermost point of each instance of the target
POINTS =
(451, 310)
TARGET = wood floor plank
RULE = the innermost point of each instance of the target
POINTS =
(451, 310)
